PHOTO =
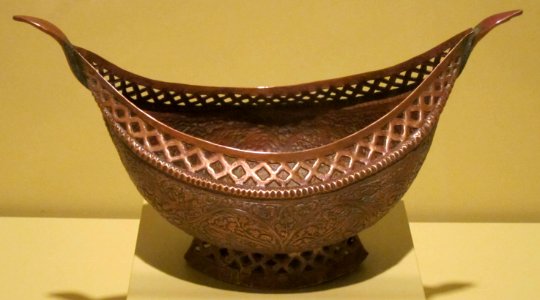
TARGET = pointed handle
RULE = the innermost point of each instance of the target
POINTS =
(483, 28)
(491, 22)
(46, 27)
(72, 55)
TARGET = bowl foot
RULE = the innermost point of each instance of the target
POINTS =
(279, 270)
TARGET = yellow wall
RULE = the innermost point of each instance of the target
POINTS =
(57, 159)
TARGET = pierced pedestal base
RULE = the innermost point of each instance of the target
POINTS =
(279, 270)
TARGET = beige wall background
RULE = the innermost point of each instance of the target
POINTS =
(57, 159)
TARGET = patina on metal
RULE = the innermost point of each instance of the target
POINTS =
(276, 182)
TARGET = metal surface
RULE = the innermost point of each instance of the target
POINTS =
(280, 270)
(276, 169)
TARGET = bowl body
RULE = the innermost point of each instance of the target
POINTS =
(273, 226)
(260, 193)
(274, 183)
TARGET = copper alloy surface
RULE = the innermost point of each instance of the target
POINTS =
(269, 178)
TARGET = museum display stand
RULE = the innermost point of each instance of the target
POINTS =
(90, 258)
(390, 271)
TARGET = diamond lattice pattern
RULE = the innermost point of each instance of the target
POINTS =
(365, 151)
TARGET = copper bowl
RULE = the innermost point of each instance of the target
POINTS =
(274, 183)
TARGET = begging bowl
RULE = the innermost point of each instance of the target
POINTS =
(275, 183)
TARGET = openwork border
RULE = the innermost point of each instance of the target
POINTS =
(379, 147)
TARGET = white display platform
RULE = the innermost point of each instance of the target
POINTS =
(91, 259)
(389, 272)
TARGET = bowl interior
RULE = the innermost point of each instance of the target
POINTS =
(274, 119)
(277, 128)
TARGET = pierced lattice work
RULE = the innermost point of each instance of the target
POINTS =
(364, 90)
(244, 172)
(281, 176)
(280, 270)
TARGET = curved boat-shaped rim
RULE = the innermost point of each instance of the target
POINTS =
(461, 44)
(452, 43)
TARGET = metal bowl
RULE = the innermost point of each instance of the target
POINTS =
(274, 183)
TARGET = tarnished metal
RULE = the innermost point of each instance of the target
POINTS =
(270, 173)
